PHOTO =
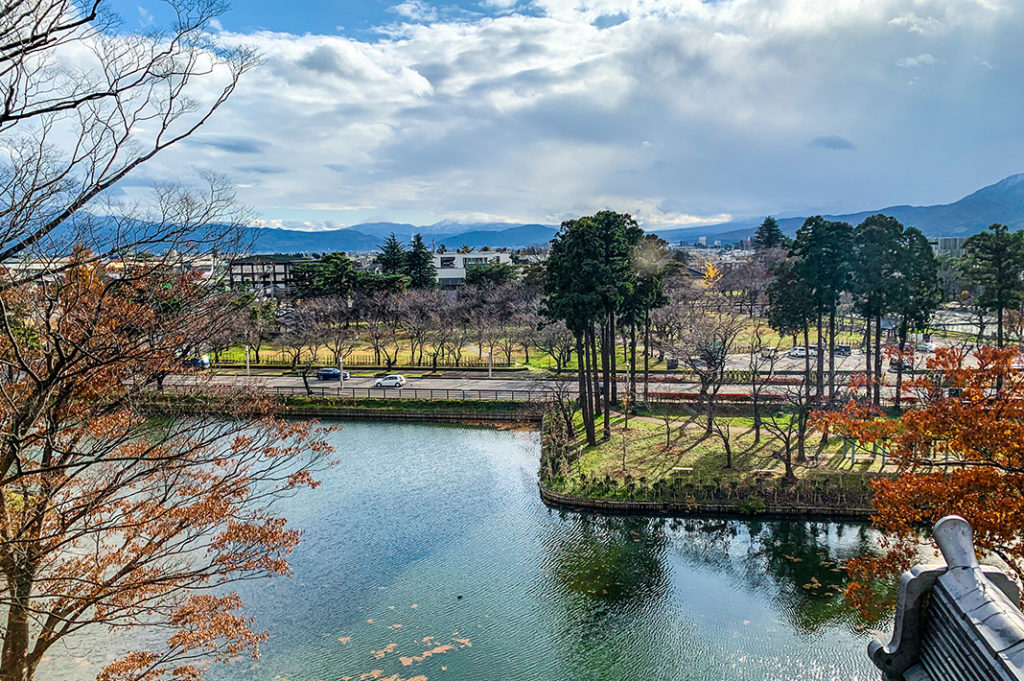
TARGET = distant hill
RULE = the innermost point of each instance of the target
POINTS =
(367, 237)
(1000, 202)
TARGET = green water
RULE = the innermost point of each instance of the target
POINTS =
(414, 517)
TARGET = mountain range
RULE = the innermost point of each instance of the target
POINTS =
(1000, 202)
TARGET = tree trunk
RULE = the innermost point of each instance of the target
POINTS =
(756, 406)
(801, 455)
(614, 359)
(820, 378)
(724, 435)
(15, 662)
(878, 360)
(831, 354)
(594, 372)
(999, 326)
(607, 357)
(787, 459)
(901, 339)
(867, 353)
(584, 388)
(632, 366)
(647, 355)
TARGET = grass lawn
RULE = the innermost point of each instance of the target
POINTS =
(687, 452)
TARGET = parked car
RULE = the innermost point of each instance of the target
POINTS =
(768, 353)
(843, 351)
(392, 381)
(894, 365)
(331, 374)
(925, 347)
(797, 351)
(199, 361)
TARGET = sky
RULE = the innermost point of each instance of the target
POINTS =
(681, 112)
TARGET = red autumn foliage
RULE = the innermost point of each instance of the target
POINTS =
(117, 519)
(959, 451)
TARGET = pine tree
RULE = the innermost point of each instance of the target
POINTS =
(333, 275)
(994, 260)
(769, 235)
(419, 265)
(392, 256)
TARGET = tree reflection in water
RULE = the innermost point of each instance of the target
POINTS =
(800, 565)
(607, 571)
(606, 582)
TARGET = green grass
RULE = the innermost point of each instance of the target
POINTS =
(652, 456)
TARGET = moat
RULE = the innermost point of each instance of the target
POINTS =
(427, 554)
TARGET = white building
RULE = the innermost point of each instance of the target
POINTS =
(452, 267)
(948, 245)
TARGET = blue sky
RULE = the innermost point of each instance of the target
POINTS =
(358, 18)
(681, 112)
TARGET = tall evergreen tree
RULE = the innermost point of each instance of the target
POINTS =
(878, 243)
(769, 235)
(392, 256)
(791, 311)
(994, 260)
(570, 296)
(918, 292)
(822, 249)
(419, 265)
(333, 275)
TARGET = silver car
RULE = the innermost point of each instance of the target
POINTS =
(392, 381)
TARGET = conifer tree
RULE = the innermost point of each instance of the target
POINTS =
(769, 235)
(419, 265)
(994, 260)
(392, 256)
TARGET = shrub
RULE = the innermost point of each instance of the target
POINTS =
(752, 505)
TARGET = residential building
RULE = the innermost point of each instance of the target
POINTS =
(948, 245)
(452, 267)
(268, 275)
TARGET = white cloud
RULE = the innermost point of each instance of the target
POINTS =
(416, 10)
(919, 60)
(683, 112)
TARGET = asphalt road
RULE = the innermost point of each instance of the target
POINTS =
(501, 382)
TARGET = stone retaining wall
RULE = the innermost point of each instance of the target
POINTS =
(676, 509)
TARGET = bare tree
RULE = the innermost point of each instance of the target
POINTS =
(788, 424)
(131, 519)
(762, 356)
(561, 391)
(557, 341)
(707, 339)
(332, 326)
(71, 133)
(302, 341)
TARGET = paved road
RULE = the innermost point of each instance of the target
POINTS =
(502, 387)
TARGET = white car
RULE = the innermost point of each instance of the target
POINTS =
(801, 351)
(926, 347)
(392, 381)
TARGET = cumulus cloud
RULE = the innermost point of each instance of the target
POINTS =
(678, 111)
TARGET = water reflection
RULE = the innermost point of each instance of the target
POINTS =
(414, 517)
